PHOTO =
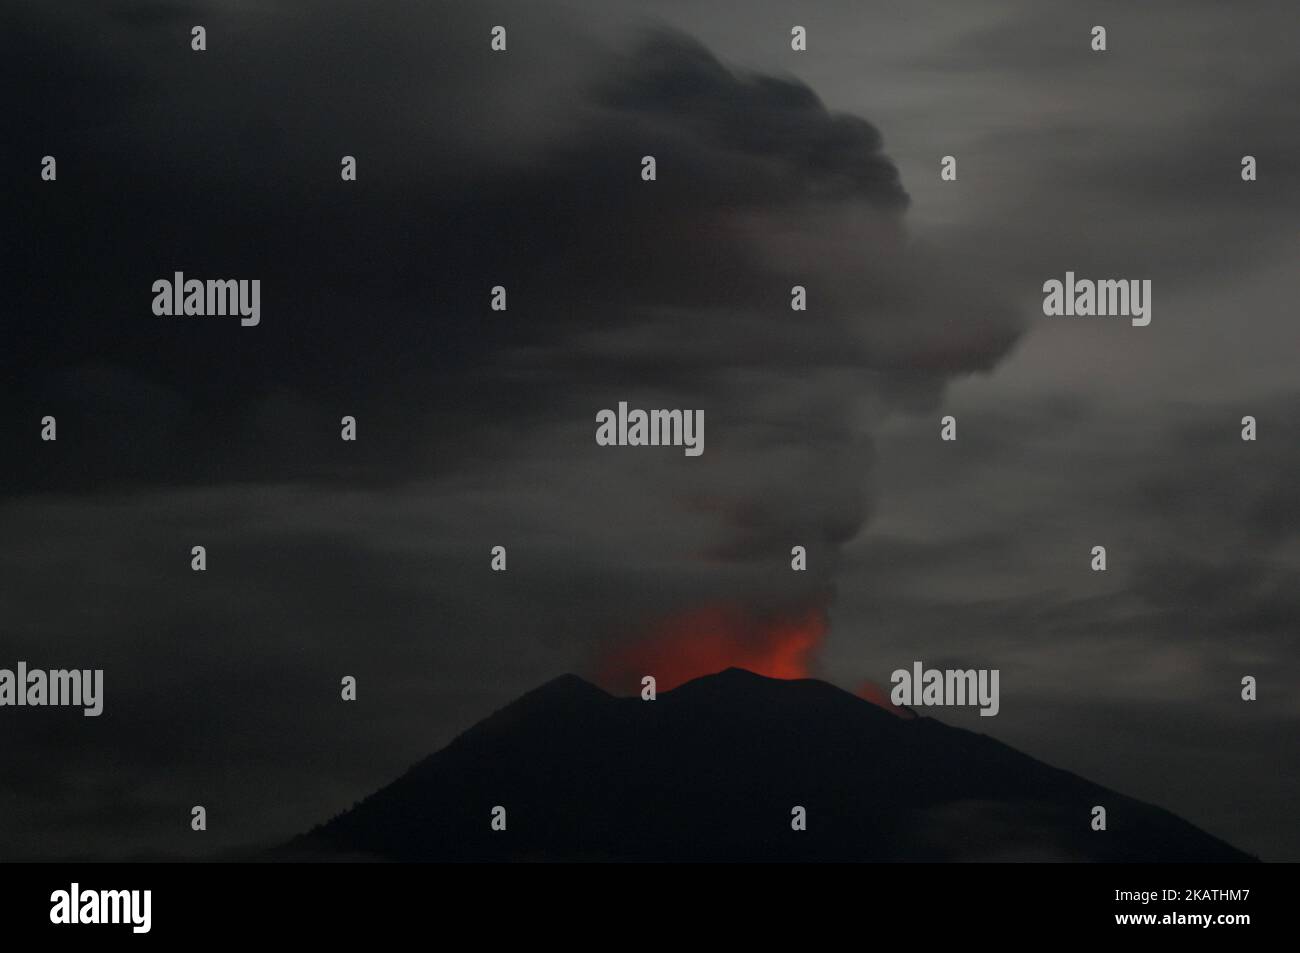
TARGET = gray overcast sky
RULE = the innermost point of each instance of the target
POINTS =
(476, 429)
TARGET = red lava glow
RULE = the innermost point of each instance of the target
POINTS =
(711, 638)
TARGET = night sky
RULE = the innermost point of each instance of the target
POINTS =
(475, 427)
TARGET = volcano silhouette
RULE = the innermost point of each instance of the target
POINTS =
(712, 770)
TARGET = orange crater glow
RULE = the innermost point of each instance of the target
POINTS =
(710, 638)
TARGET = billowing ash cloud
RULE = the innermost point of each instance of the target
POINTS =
(485, 169)
(476, 427)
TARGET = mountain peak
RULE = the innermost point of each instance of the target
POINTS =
(735, 675)
(735, 672)
(563, 691)
(568, 684)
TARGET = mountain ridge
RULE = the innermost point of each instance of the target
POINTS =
(711, 771)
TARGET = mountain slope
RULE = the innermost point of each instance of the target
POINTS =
(711, 771)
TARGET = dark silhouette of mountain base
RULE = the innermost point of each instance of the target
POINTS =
(711, 772)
